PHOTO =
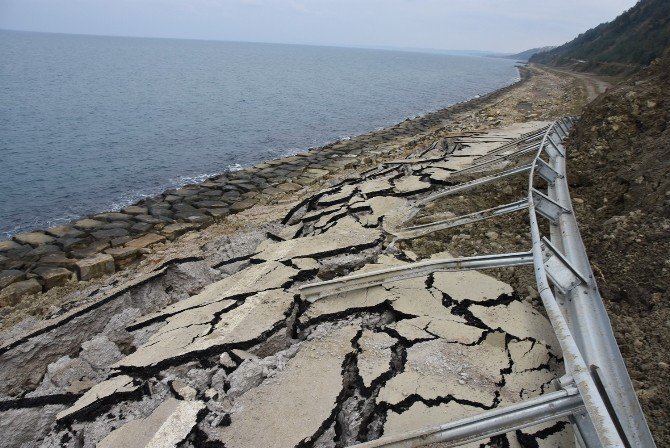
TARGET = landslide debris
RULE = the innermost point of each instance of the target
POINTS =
(619, 175)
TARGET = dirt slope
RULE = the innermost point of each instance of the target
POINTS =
(620, 182)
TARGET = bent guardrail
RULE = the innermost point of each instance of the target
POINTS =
(597, 393)
(593, 352)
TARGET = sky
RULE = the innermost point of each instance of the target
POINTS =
(490, 25)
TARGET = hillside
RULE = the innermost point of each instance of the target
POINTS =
(526, 55)
(619, 173)
(621, 47)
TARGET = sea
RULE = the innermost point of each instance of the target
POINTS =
(92, 123)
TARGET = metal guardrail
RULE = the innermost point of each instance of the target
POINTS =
(551, 406)
(606, 388)
(597, 393)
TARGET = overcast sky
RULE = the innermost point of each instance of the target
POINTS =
(492, 25)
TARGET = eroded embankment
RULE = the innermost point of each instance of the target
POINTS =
(620, 171)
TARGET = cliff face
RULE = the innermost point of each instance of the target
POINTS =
(623, 46)
(619, 170)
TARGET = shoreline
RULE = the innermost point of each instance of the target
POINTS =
(135, 197)
(103, 243)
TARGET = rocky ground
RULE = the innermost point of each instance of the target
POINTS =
(207, 341)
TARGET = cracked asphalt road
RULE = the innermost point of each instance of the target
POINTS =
(246, 361)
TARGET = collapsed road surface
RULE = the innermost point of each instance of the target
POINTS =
(227, 352)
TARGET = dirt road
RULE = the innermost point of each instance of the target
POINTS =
(593, 85)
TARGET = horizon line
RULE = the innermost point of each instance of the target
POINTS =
(468, 52)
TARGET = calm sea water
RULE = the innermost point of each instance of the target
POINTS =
(90, 123)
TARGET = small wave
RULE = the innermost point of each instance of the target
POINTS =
(196, 179)
(235, 167)
(38, 223)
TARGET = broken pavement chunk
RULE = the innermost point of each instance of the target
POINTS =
(199, 329)
(525, 385)
(412, 329)
(414, 299)
(290, 232)
(439, 369)
(387, 207)
(470, 285)
(438, 319)
(346, 301)
(98, 395)
(167, 426)
(308, 387)
(371, 187)
(410, 185)
(455, 330)
(257, 277)
(323, 212)
(421, 416)
(437, 174)
(375, 356)
(346, 234)
(306, 264)
(345, 192)
(552, 434)
(527, 355)
(518, 319)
